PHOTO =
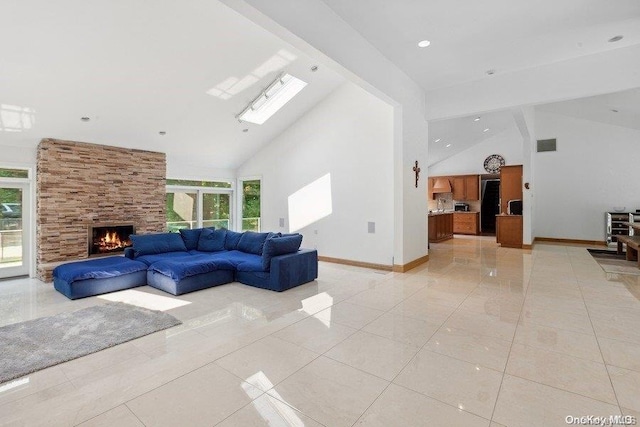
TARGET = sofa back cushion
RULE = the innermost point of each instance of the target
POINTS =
(232, 240)
(190, 237)
(279, 246)
(252, 242)
(212, 240)
(149, 244)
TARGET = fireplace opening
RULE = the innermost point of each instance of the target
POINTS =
(108, 240)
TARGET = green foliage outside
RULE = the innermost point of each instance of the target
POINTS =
(215, 207)
(251, 205)
(11, 220)
(12, 195)
(190, 183)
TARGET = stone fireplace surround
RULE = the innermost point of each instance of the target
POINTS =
(81, 184)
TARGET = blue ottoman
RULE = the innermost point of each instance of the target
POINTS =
(98, 276)
(187, 275)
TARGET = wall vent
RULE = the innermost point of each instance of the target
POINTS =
(546, 145)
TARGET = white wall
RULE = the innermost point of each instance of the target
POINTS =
(471, 161)
(178, 168)
(349, 135)
(314, 28)
(594, 169)
(19, 155)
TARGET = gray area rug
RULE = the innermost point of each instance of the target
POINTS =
(613, 263)
(37, 344)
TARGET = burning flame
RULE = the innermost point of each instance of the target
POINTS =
(110, 241)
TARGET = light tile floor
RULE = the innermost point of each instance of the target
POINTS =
(478, 336)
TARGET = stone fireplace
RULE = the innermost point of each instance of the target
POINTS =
(81, 186)
(108, 239)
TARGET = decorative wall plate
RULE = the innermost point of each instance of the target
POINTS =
(493, 163)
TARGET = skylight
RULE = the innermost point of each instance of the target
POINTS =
(272, 99)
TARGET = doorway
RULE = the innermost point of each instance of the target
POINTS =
(490, 204)
(14, 228)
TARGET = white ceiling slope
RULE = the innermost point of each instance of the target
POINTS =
(469, 38)
(601, 108)
(454, 136)
(138, 67)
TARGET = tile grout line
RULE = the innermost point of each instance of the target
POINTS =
(504, 371)
(604, 362)
(419, 350)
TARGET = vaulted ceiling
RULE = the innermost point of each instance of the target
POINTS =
(136, 68)
(468, 38)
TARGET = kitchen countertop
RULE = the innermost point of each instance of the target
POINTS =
(434, 213)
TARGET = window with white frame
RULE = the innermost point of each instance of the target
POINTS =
(250, 208)
(195, 204)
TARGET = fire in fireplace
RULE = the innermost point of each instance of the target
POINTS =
(110, 239)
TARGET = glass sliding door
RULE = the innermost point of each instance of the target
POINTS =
(216, 210)
(14, 229)
(182, 210)
(199, 206)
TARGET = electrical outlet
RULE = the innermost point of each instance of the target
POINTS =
(371, 227)
(281, 222)
(315, 231)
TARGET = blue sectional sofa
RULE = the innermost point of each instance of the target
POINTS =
(192, 260)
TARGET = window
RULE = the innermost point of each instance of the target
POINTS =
(250, 208)
(191, 183)
(14, 173)
(195, 204)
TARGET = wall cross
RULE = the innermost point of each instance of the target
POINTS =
(416, 169)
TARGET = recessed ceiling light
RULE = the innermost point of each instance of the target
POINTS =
(448, 145)
(85, 119)
(615, 39)
(491, 72)
(486, 130)
(163, 133)
(424, 43)
(614, 110)
(477, 119)
(437, 140)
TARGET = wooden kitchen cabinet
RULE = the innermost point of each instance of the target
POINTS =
(472, 187)
(430, 182)
(466, 187)
(509, 231)
(510, 185)
(459, 188)
(440, 227)
(466, 223)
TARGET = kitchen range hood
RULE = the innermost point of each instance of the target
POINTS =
(441, 185)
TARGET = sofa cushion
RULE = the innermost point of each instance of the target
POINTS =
(149, 244)
(252, 242)
(231, 240)
(101, 268)
(211, 240)
(190, 237)
(253, 265)
(275, 246)
(179, 269)
(150, 259)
